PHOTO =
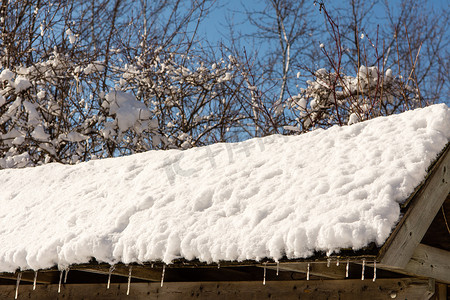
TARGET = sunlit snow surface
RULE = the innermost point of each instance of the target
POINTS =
(268, 197)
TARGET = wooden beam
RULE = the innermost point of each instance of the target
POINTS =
(28, 276)
(138, 271)
(429, 293)
(179, 274)
(429, 262)
(441, 292)
(315, 269)
(400, 246)
(408, 288)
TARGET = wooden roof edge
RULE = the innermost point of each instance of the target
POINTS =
(399, 248)
(103, 267)
(430, 171)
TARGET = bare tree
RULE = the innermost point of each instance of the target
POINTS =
(281, 34)
(81, 80)
(359, 70)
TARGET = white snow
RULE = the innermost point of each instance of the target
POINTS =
(127, 110)
(41, 95)
(39, 133)
(21, 83)
(33, 116)
(73, 137)
(267, 197)
(96, 66)
(7, 75)
(353, 119)
(71, 36)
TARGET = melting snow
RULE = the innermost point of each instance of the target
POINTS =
(266, 197)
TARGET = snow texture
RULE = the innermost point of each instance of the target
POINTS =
(127, 110)
(21, 84)
(39, 134)
(7, 75)
(266, 197)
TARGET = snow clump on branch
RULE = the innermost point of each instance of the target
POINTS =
(340, 99)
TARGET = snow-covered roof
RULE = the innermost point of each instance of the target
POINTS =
(266, 197)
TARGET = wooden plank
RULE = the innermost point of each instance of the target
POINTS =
(138, 271)
(28, 276)
(316, 269)
(429, 262)
(429, 293)
(441, 292)
(408, 288)
(321, 269)
(400, 246)
(187, 273)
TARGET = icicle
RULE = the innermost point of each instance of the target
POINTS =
(278, 267)
(328, 262)
(363, 269)
(111, 269)
(307, 272)
(374, 271)
(346, 269)
(19, 276)
(337, 262)
(218, 265)
(60, 279)
(162, 275)
(65, 276)
(34, 281)
(129, 280)
(264, 280)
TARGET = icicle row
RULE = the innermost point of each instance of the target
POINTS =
(34, 281)
(60, 280)
(307, 272)
(363, 269)
(374, 271)
(129, 280)
(19, 276)
(162, 275)
(346, 269)
(111, 269)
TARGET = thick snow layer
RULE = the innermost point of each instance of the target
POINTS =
(267, 197)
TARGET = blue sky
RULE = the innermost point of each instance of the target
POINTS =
(215, 26)
(214, 29)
